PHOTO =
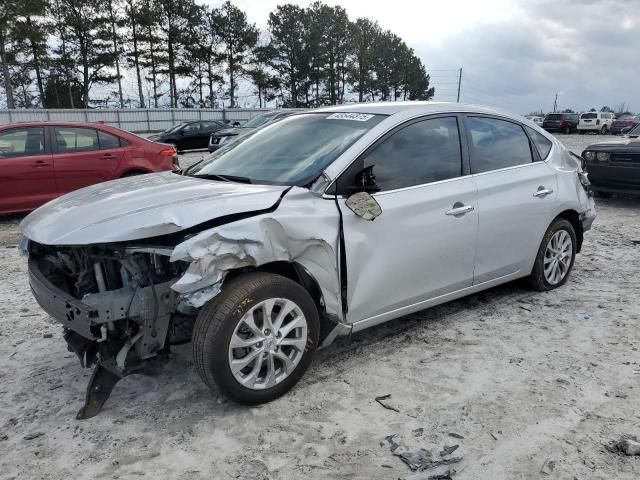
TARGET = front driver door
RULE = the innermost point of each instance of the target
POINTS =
(423, 244)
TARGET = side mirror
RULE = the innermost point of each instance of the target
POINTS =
(364, 206)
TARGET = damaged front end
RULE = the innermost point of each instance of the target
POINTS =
(116, 306)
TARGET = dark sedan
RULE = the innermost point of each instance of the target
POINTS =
(614, 167)
(223, 137)
(561, 122)
(189, 135)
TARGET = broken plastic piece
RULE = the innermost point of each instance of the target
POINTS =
(98, 391)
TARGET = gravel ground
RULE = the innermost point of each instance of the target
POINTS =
(526, 378)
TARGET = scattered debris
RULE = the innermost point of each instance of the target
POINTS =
(584, 316)
(48, 335)
(418, 432)
(455, 435)
(629, 447)
(548, 466)
(493, 435)
(56, 386)
(448, 450)
(388, 407)
(392, 443)
(4, 437)
(442, 470)
(384, 465)
(418, 460)
(34, 435)
(524, 308)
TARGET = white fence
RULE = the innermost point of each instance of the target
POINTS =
(132, 120)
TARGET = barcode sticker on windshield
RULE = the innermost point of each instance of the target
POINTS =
(356, 117)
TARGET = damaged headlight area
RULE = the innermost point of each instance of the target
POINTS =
(115, 304)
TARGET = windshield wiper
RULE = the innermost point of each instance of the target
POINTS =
(224, 178)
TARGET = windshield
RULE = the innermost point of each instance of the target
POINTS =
(635, 130)
(258, 121)
(589, 115)
(293, 151)
(554, 116)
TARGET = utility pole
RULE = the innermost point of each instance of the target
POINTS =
(555, 104)
(459, 83)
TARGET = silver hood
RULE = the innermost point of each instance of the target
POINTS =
(141, 207)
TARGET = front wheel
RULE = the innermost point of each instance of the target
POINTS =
(555, 256)
(256, 339)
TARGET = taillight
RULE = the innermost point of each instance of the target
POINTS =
(168, 152)
(562, 122)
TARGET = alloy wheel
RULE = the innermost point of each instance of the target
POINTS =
(558, 257)
(267, 343)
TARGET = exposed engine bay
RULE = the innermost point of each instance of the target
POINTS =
(116, 306)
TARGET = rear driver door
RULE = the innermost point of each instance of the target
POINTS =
(517, 194)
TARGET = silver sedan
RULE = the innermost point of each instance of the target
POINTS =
(325, 223)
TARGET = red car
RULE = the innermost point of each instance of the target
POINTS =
(43, 160)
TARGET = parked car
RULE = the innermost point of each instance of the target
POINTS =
(189, 135)
(561, 122)
(536, 119)
(266, 250)
(223, 137)
(614, 166)
(43, 160)
(624, 124)
(599, 122)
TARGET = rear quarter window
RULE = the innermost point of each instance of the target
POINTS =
(541, 143)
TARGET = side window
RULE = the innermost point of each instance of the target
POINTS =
(423, 152)
(107, 140)
(191, 128)
(76, 139)
(542, 143)
(21, 142)
(497, 144)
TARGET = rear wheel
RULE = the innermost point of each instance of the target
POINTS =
(555, 257)
(133, 173)
(603, 130)
(567, 130)
(603, 194)
(256, 339)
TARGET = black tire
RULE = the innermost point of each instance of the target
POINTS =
(604, 194)
(216, 324)
(567, 130)
(133, 173)
(537, 278)
(603, 130)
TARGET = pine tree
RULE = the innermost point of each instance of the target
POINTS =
(134, 24)
(289, 35)
(364, 35)
(88, 45)
(31, 29)
(8, 11)
(115, 23)
(238, 37)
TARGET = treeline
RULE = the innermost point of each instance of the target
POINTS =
(155, 53)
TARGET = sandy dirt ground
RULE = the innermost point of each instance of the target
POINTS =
(526, 378)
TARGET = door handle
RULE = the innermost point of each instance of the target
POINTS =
(459, 209)
(107, 155)
(543, 192)
(39, 164)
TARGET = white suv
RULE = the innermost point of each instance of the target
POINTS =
(599, 122)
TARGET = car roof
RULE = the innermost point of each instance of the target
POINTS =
(417, 107)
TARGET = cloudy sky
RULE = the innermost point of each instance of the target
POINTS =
(515, 54)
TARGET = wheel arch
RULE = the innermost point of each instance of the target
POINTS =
(134, 171)
(574, 218)
(299, 274)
